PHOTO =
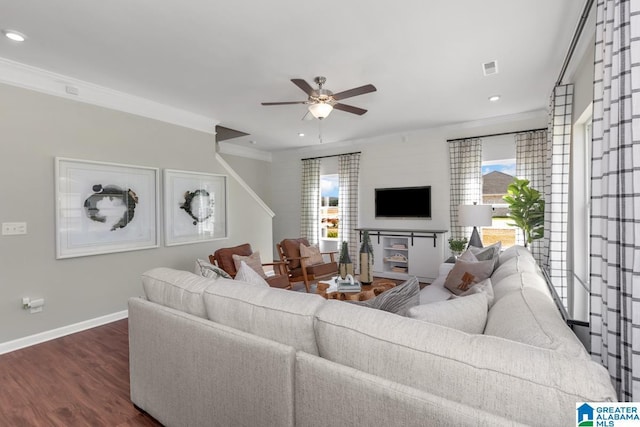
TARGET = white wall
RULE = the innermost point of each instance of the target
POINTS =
(407, 159)
(35, 128)
(256, 173)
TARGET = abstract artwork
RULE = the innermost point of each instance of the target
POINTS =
(195, 207)
(104, 207)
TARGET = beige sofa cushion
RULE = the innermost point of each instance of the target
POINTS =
(277, 314)
(467, 314)
(517, 282)
(514, 265)
(485, 372)
(530, 317)
(177, 289)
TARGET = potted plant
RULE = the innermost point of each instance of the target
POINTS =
(526, 209)
(457, 246)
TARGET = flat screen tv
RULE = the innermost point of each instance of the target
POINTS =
(403, 202)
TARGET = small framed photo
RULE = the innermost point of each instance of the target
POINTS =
(105, 207)
(195, 207)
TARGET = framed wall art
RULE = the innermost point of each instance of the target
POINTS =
(195, 207)
(105, 207)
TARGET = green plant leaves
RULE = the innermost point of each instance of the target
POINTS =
(526, 209)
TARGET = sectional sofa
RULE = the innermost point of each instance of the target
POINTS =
(219, 352)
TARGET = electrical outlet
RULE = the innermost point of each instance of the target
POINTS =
(14, 228)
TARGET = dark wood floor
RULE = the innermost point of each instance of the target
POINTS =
(78, 380)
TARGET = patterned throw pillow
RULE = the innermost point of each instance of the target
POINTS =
(484, 287)
(313, 252)
(249, 275)
(252, 261)
(488, 252)
(206, 269)
(398, 299)
(465, 274)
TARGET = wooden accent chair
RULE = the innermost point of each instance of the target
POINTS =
(223, 258)
(298, 267)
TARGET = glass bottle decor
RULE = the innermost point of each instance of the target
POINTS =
(366, 259)
(345, 266)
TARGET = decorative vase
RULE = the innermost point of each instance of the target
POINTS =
(366, 259)
(345, 266)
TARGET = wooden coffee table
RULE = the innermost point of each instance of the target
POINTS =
(377, 287)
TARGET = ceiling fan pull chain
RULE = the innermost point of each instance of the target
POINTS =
(320, 130)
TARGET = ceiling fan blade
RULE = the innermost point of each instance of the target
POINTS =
(285, 103)
(302, 84)
(354, 92)
(349, 109)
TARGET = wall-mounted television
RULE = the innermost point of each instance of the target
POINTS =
(403, 202)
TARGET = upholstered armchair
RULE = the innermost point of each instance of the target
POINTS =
(223, 258)
(306, 268)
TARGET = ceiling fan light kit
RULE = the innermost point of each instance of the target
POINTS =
(322, 101)
(320, 110)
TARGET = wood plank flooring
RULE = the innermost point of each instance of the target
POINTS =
(77, 380)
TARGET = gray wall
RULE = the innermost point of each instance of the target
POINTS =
(256, 173)
(35, 128)
(408, 159)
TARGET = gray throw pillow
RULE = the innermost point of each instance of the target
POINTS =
(465, 274)
(488, 252)
(398, 299)
(208, 270)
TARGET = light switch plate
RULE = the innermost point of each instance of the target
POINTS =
(14, 228)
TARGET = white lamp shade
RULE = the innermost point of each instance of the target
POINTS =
(474, 215)
(320, 110)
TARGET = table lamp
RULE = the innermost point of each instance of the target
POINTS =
(475, 216)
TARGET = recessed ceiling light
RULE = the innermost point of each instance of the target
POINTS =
(14, 35)
(301, 134)
(494, 98)
(253, 142)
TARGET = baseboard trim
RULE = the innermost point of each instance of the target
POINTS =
(30, 340)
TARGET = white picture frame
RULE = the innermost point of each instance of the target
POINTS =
(105, 207)
(195, 207)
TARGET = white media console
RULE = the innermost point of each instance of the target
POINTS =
(400, 253)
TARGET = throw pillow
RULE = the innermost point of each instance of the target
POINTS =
(468, 256)
(313, 254)
(465, 274)
(206, 269)
(249, 275)
(467, 314)
(485, 287)
(252, 261)
(488, 252)
(398, 299)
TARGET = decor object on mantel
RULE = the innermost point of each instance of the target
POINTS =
(475, 216)
(345, 266)
(526, 209)
(366, 259)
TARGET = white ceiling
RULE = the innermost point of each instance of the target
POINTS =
(221, 59)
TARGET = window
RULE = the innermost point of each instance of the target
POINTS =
(578, 285)
(496, 177)
(329, 199)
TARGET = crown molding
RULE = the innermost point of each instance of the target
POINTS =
(248, 152)
(32, 78)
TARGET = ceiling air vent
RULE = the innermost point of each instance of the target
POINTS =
(489, 68)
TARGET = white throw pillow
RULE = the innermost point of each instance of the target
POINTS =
(485, 287)
(313, 252)
(252, 261)
(249, 275)
(468, 314)
(206, 269)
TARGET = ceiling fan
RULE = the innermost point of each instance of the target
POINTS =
(322, 101)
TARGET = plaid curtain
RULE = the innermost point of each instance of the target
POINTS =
(615, 196)
(465, 158)
(531, 161)
(309, 227)
(348, 168)
(556, 189)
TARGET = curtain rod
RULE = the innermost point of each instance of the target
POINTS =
(497, 134)
(574, 41)
(333, 155)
